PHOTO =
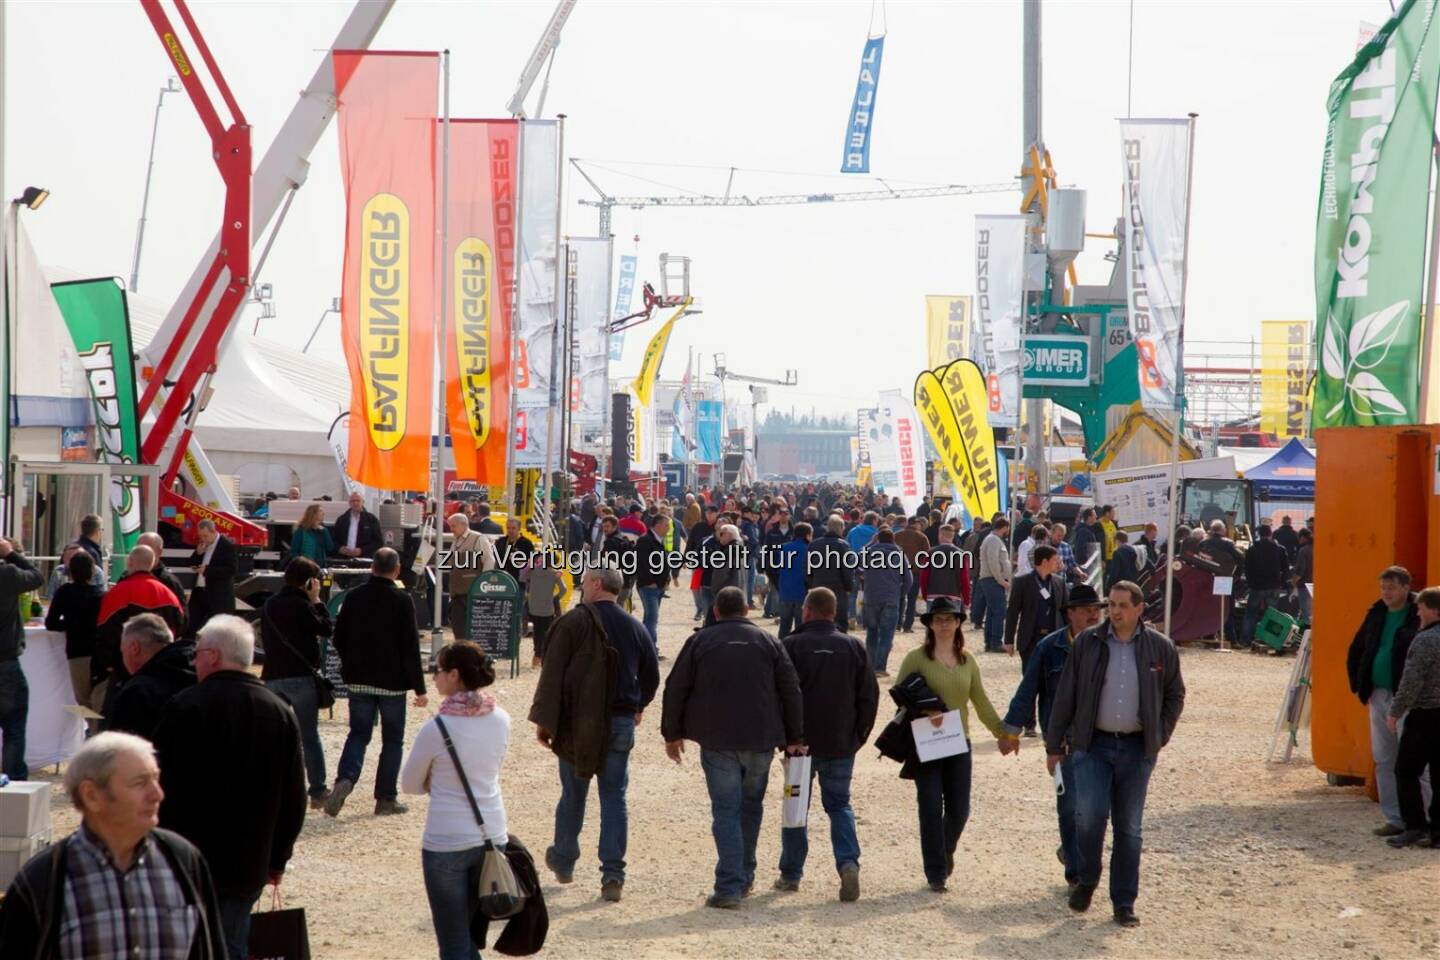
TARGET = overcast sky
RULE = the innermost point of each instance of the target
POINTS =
(671, 94)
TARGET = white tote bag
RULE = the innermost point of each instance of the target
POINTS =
(796, 809)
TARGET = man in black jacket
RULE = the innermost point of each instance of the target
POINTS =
(356, 532)
(229, 754)
(1375, 663)
(17, 576)
(69, 899)
(1117, 703)
(1034, 611)
(1267, 572)
(694, 541)
(159, 668)
(841, 698)
(215, 568)
(721, 668)
(652, 572)
(159, 571)
(379, 648)
(829, 564)
(1124, 562)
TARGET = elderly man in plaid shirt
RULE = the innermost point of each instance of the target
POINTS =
(1067, 555)
(118, 886)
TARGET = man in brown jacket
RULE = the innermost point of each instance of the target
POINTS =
(912, 541)
(600, 673)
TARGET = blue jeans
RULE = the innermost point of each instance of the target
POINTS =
(650, 600)
(736, 780)
(852, 601)
(14, 705)
(300, 693)
(880, 620)
(363, 709)
(942, 794)
(772, 596)
(750, 585)
(790, 614)
(1256, 603)
(977, 607)
(614, 777)
(834, 774)
(235, 923)
(451, 878)
(1110, 782)
(707, 600)
(992, 594)
(1065, 810)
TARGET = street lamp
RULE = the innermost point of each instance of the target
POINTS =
(170, 87)
(31, 198)
(333, 308)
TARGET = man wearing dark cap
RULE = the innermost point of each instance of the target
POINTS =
(1081, 611)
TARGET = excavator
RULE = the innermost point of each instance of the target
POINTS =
(176, 368)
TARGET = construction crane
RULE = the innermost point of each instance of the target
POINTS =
(177, 366)
(758, 395)
(543, 53)
(607, 202)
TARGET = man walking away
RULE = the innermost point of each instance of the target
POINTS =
(994, 582)
(791, 575)
(1267, 570)
(1041, 679)
(379, 648)
(945, 572)
(230, 766)
(721, 667)
(599, 675)
(913, 542)
(1417, 706)
(1376, 664)
(118, 886)
(159, 668)
(1124, 562)
(1118, 701)
(887, 580)
(829, 563)
(17, 576)
(1034, 612)
(841, 698)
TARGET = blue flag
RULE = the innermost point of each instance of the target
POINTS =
(862, 112)
(624, 288)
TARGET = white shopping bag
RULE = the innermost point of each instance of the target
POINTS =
(796, 810)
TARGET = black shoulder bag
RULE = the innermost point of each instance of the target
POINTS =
(501, 895)
(324, 686)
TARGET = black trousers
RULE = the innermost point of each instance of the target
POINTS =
(542, 632)
(1419, 747)
(907, 610)
(942, 794)
(842, 610)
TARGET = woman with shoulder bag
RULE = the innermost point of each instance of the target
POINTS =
(454, 846)
(291, 625)
(942, 787)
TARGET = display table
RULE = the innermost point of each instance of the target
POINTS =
(52, 734)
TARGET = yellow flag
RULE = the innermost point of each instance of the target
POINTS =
(964, 387)
(947, 329)
(1284, 377)
(644, 384)
(933, 408)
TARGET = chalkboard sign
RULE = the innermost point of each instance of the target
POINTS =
(330, 660)
(493, 614)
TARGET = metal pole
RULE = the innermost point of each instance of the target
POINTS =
(169, 87)
(1179, 399)
(555, 305)
(437, 623)
(507, 481)
(333, 308)
(1429, 407)
(5, 283)
(1034, 137)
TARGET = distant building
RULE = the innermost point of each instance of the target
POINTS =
(804, 451)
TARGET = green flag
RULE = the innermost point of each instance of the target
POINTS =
(1370, 230)
(99, 322)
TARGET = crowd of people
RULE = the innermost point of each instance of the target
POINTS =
(194, 786)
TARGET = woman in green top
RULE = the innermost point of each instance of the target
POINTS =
(311, 539)
(942, 787)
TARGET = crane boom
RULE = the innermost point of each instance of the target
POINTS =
(544, 48)
(782, 199)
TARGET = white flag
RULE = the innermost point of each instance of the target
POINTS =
(1155, 155)
(999, 304)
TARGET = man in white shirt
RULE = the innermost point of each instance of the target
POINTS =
(1039, 533)
(357, 531)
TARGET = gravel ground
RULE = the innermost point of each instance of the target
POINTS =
(1241, 858)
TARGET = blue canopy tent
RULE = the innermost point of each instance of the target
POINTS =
(1285, 483)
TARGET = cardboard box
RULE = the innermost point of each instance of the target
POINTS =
(24, 808)
(15, 852)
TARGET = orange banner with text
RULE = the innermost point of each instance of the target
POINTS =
(483, 206)
(386, 123)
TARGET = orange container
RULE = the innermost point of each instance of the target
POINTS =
(1377, 503)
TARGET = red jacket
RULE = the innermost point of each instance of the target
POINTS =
(132, 594)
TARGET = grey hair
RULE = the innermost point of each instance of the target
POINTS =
(149, 629)
(95, 760)
(611, 580)
(460, 518)
(734, 530)
(206, 524)
(231, 636)
(834, 526)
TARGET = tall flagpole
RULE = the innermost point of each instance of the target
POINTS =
(437, 625)
(1179, 393)
(507, 480)
(556, 307)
